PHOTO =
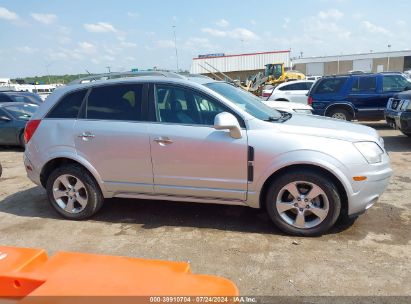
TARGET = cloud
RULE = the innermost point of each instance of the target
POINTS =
(330, 14)
(222, 23)
(133, 14)
(374, 29)
(165, 44)
(86, 47)
(7, 15)
(26, 49)
(44, 18)
(99, 27)
(237, 33)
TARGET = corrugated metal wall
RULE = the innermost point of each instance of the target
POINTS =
(244, 62)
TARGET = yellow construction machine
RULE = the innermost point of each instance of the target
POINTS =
(274, 74)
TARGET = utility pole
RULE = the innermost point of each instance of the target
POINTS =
(47, 69)
(175, 45)
(388, 59)
(109, 69)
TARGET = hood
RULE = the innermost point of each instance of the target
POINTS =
(286, 105)
(313, 125)
(404, 95)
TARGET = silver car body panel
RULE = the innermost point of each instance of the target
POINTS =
(203, 164)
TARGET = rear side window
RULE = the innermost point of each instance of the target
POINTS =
(364, 84)
(116, 102)
(68, 106)
(294, 87)
(329, 85)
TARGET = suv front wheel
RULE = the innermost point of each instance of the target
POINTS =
(73, 192)
(303, 203)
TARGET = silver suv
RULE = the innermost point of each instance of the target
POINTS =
(200, 140)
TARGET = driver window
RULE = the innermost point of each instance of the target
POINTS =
(178, 105)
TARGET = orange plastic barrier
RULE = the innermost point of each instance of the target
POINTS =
(29, 272)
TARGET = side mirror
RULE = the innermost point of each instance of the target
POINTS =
(5, 118)
(227, 121)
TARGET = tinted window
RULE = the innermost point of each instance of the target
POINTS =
(329, 85)
(308, 85)
(117, 102)
(294, 87)
(22, 111)
(394, 83)
(177, 105)
(26, 98)
(4, 98)
(69, 106)
(364, 84)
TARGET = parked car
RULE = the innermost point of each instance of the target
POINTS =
(295, 91)
(314, 78)
(17, 96)
(13, 119)
(287, 106)
(200, 140)
(398, 112)
(359, 96)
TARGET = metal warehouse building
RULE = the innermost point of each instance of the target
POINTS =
(239, 66)
(367, 62)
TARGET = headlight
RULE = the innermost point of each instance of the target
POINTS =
(302, 111)
(370, 150)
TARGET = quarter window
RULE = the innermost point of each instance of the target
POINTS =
(329, 85)
(69, 106)
(116, 102)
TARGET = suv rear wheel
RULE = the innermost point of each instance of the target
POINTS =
(73, 192)
(340, 113)
(303, 203)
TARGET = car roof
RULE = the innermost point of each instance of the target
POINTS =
(361, 74)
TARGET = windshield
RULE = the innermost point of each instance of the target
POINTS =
(246, 101)
(21, 111)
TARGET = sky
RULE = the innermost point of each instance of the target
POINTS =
(69, 37)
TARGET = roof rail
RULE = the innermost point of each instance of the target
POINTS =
(107, 76)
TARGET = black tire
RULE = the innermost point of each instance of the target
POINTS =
(94, 196)
(407, 134)
(21, 140)
(1, 170)
(340, 113)
(311, 176)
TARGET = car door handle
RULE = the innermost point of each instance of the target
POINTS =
(86, 136)
(162, 141)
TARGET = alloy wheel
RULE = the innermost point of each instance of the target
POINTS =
(70, 193)
(302, 204)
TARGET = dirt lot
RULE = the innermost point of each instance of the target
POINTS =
(370, 257)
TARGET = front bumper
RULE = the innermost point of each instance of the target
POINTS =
(369, 191)
(399, 120)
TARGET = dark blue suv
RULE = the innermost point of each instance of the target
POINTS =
(355, 96)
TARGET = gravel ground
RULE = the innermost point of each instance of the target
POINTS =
(370, 257)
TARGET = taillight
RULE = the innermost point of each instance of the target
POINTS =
(310, 101)
(31, 127)
(266, 94)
